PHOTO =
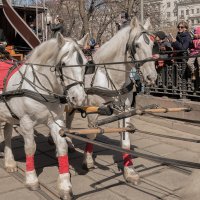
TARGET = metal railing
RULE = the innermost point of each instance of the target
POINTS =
(174, 80)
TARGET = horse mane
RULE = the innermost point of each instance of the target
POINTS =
(121, 38)
(45, 53)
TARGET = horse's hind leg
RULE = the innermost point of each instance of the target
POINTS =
(9, 163)
(26, 125)
(69, 119)
(64, 184)
(130, 174)
(88, 161)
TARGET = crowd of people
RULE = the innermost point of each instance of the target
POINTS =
(185, 43)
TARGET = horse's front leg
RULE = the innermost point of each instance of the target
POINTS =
(88, 161)
(64, 184)
(9, 162)
(130, 174)
(26, 125)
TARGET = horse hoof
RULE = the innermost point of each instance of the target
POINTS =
(66, 195)
(11, 169)
(89, 166)
(131, 176)
(132, 181)
(33, 187)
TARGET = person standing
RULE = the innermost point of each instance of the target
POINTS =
(195, 51)
(183, 39)
(57, 27)
(164, 47)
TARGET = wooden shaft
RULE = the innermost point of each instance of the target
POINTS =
(94, 131)
(87, 109)
(163, 110)
(95, 109)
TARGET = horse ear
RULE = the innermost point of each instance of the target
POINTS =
(60, 40)
(147, 24)
(134, 22)
(82, 42)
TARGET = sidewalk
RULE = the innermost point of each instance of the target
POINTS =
(106, 180)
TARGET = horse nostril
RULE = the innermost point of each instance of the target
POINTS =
(74, 99)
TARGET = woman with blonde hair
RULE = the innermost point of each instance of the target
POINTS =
(183, 39)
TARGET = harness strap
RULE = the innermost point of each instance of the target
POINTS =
(109, 93)
(11, 112)
(66, 88)
(5, 96)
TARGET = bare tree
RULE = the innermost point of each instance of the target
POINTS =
(96, 17)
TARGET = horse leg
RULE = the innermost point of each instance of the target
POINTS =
(88, 161)
(69, 119)
(26, 125)
(9, 163)
(130, 174)
(63, 183)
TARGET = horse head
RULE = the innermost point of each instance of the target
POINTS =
(140, 47)
(71, 75)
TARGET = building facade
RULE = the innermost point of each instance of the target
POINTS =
(189, 11)
(169, 12)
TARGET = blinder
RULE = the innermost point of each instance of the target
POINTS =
(133, 45)
(90, 67)
(59, 68)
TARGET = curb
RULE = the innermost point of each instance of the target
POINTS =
(172, 124)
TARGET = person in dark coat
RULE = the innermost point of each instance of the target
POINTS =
(163, 48)
(183, 39)
(57, 27)
(163, 44)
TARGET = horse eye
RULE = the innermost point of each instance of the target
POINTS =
(137, 46)
(63, 64)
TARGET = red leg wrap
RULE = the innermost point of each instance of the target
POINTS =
(89, 148)
(63, 164)
(30, 163)
(127, 160)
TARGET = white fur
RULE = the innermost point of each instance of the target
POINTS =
(31, 112)
(115, 51)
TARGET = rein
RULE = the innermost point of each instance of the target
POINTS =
(51, 97)
(132, 51)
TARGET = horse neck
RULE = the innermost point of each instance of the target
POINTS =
(115, 51)
(43, 57)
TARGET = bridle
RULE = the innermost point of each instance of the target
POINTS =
(132, 50)
(59, 70)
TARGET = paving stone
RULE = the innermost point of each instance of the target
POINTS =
(143, 143)
(99, 195)
(48, 175)
(168, 179)
(3, 173)
(185, 155)
(162, 149)
(20, 194)
(9, 184)
(111, 177)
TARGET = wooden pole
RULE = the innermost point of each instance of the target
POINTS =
(94, 131)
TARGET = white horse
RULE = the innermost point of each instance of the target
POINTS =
(132, 41)
(51, 83)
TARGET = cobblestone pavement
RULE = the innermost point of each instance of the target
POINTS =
(106, 180)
